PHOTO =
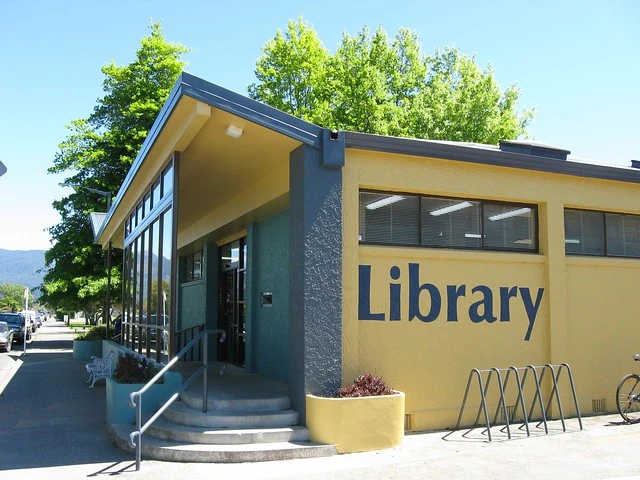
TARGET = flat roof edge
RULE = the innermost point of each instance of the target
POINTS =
(487, 156)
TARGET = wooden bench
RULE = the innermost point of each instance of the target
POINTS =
(100, 367)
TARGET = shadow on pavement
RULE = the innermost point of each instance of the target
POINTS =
(49, 415)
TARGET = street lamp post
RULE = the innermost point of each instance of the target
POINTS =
(106, 313)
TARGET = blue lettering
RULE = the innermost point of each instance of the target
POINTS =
(394, 295)
(505, 294)
(486, 303)
(415, 289)
(481, 310)
(364, 295)
(531, 308)
(453, 293)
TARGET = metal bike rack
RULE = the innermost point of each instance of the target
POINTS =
(483, 389)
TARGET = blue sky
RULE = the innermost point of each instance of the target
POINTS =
(576, 62)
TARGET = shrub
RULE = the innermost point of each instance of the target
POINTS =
(365, 386)
(96, 332)
(132, 368)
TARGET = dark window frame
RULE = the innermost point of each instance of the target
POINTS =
(190, 265)
(482, 203)
(606, 248)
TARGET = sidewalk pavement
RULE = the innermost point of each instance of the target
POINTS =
(53, 427)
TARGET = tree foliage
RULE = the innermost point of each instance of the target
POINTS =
(12, 297)
(292, 70)
(97, 154)
(375, 85)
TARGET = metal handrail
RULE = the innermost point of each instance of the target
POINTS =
(135, 398)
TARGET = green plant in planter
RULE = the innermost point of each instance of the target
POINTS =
(366, 385)
(96, 332)
(133, 368)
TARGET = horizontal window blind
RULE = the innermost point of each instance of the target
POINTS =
(417, 220)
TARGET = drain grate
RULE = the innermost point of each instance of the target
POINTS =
(598, 405)
(407, 422)
(511, 412)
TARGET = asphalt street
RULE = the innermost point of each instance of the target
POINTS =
(53, 427)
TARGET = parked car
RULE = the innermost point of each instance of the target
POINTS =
(6, 337)
(17, 323)
(32, 319)
(153, 331)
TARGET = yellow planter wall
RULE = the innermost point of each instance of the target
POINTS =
(587, 316)
(356, 424)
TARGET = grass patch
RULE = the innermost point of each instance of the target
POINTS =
(77, 324)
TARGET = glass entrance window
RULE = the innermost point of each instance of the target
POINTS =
(231, 300)
(146, 277)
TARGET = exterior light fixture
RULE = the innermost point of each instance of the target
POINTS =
(92, 190)
(96, 220)
(451, 208)
(384, 202)
(233, 131)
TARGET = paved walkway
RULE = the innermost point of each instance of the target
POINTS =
(53, 427)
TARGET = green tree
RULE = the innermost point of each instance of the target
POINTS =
(375, 85)
(291, 72)
(98, 153)
(12, 297)
(372, 82)
(463, 103)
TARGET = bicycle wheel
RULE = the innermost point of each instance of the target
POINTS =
(628, 398)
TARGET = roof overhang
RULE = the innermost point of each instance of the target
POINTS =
(193, 122)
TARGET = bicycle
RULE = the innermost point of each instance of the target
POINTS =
(628, 396)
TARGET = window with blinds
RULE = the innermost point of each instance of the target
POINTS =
(389, 219)
(415, 220)
(601, 233)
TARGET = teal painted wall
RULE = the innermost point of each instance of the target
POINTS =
(269, 326)
(192, 304)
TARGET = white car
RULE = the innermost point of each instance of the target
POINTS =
(30, 318)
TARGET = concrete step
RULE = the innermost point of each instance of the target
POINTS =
(166, 430)
(175, 451)
(193, 398)
(249, 419)
(240, 392)
(183, 414)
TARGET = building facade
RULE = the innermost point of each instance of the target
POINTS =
(324, 255)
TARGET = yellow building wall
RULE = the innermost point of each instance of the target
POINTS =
(604, 324)
(588, 316)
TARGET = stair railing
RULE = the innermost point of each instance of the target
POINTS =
(135, 398)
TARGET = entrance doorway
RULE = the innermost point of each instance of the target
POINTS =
(231, 301)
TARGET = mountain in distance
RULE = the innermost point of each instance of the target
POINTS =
(24, 267)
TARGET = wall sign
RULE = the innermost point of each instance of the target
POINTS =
(480, 310)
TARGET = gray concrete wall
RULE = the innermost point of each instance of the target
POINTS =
(315, 303)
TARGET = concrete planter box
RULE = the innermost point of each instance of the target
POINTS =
(85, 349)
(118, 409)
(356, 424)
